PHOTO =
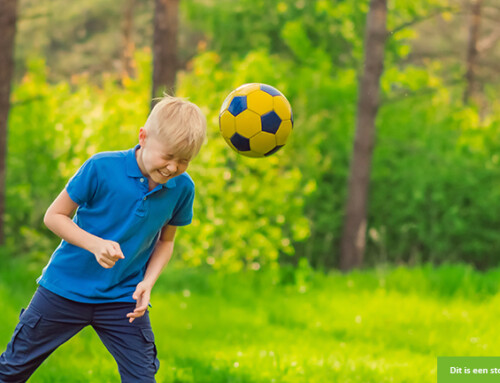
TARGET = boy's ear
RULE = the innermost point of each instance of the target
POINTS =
(142, 136)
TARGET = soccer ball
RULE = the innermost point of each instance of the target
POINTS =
(256, 120)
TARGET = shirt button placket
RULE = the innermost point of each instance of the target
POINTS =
(141, 211)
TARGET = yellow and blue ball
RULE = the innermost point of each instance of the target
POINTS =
(256, 120)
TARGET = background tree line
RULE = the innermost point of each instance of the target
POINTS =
(434, 172)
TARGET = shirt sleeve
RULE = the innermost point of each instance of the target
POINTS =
(183, 213)
(83, 185)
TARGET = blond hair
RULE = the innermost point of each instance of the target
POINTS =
(180, 122)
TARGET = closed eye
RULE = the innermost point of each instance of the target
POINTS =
(169, 157)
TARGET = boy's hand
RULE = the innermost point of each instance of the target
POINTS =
(107, 253)
(142, 295)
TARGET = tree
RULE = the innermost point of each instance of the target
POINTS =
(165, 46)
(8, 12)
(355, 221)
(472, 50)
(128, 41)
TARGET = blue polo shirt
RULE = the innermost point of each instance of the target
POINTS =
(115, 204)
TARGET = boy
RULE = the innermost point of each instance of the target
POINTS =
(128, 205)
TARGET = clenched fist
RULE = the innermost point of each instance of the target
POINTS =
(107, 253)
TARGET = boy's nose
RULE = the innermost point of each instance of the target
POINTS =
(172, 167)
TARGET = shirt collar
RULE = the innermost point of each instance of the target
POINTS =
(134, 171)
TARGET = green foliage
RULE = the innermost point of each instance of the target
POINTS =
(52, 130)
(247, 214)
(437, 159)
(248, 211)
(75, 37)
(434, 182)
(333, 27)
(434, 188)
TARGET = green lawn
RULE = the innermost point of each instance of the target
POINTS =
(371, 326)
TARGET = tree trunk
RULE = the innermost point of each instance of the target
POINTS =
(165, 46)
(128, 68)
(355, 221)
(472, 51)
(8, 11)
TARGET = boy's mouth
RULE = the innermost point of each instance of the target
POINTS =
(164, 174)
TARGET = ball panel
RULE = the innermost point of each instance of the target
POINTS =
(270, 122)
(273, 150)
(245, 89)
(226, 103)
(260, 102)
(228, 141)
(247, 123)
(282, 107)
(262, 142)
(238, 104)
(227, 124)
(269, 89)
(240, 143)
(283, 132)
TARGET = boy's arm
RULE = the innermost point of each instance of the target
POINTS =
(58, 219)
(159, 259)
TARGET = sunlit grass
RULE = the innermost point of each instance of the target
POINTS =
(371, 326)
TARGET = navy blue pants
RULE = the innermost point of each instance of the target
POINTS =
(51, 320)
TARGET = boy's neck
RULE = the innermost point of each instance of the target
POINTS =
(138, 158)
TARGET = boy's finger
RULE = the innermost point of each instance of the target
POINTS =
(137, 296)
(133, 316)
(112, 256)
(107, 263)
(139, 309)
(136, 314)
(118, 250)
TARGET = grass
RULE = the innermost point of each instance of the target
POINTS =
(383, 325)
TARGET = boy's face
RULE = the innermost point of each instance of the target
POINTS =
(157, 160)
